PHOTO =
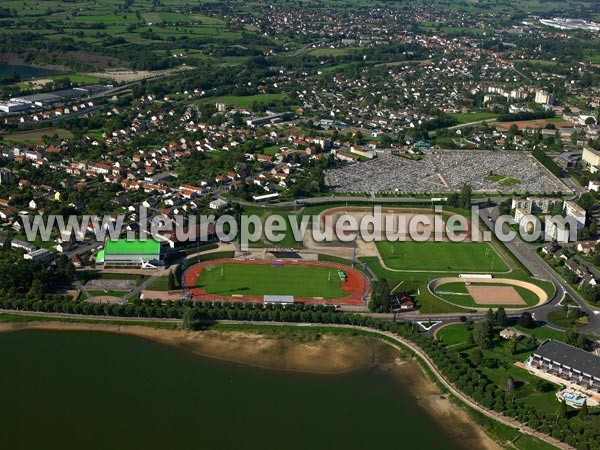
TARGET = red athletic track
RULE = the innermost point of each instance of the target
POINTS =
(356, 283)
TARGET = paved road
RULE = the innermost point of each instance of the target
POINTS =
(526, 253)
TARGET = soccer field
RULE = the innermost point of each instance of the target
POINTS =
(260, 279)
(441, 256)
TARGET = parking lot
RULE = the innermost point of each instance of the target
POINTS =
(446, 171)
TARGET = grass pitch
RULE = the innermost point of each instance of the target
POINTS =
(441, 256)
(255, 279)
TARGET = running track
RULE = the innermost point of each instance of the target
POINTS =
(356, 283)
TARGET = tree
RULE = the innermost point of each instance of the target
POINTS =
(171, 281)
(562, 410)
(481, 334)
(509, 384)
(476, 357)
(464, 198)
(37, 289)
(501, 317)
(542, 385)
(530, 343)
(583, 412)
(512, 345)
(596, 258)
(526, 320)
(190, 318)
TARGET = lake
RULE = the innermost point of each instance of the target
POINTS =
(90, 390)
(24, 71)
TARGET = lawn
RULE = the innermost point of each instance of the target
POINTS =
(247, 101)
(528, 442)
(502, 180)
(78, 78)
(566, 319)
(441, 256)
(160, 284)
(453, 334)
(246, 279)
(542, 333)
(473, 117)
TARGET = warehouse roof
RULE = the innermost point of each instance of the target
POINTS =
(570, 356)
(125, 247)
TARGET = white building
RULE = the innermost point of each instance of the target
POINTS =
(572, 209)
(217, 204)
(544, 98)
(557, 232)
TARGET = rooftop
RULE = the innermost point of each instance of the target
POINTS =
(570, 356)
(125, 247)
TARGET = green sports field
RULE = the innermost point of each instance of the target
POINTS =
(255, 279)
(441, 256)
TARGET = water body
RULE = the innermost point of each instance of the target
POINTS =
(91, 390)
(24, 71)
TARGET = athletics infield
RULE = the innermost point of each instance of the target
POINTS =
(220, 280)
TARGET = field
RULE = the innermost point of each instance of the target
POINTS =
(416, 283)
(247, 101)
(473, 117)
(453, 334)
(503, 180)
(37, 135)
(441, 256)
(566, 320)
(271, 280)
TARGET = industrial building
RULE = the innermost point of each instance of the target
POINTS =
(122, 252)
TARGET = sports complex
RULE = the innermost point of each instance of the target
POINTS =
(438, 274)
(276, 282)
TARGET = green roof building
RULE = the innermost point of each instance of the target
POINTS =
(135, 252)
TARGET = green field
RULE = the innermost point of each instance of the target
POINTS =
(247, 279)
(566, 320)
(441, 256)
(160, 284)
(247, 101)
(37, 135)
(473, 117)
(502, 180)
(528, 442)
(453, 334)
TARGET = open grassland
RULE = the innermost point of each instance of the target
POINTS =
(248, 279)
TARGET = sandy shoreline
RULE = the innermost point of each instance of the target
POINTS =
(328, 355)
